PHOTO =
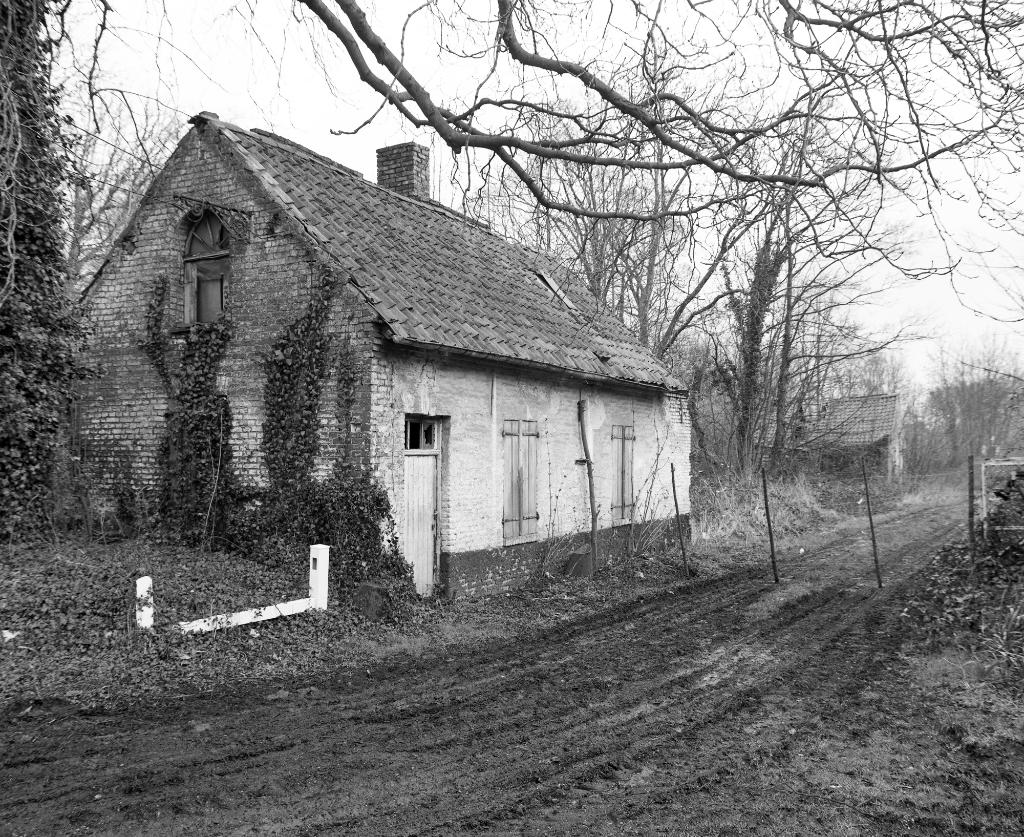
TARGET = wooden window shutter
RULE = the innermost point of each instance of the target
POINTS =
(512, 516)
(627, 471)
(189, 293)
(616, 472)
(528, 486)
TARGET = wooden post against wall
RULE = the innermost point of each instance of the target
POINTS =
(590, 484)
(871, 522)
(970, 505)
(679, 524)
(768, 517)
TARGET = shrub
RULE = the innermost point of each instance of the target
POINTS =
(348, 511)
(977, 604)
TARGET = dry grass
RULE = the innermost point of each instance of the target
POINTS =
(933, 490)
(724, 511)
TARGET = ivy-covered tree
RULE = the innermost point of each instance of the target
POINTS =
(39, 331)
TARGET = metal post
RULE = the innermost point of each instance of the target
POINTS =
(970, 505)
(679, 525)
(871, 522)
(768, 517)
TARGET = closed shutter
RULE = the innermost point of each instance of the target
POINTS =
(512, 516)
(528, 485)
(189, 293)
(617, 472)
(519, 519)
(627, 472)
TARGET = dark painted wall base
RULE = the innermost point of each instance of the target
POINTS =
(496, 570)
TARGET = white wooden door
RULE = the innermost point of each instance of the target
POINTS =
(420, 536)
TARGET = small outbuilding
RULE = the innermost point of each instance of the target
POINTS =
(846, 429)
(456, 360)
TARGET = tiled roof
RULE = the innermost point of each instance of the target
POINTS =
(860, 420)
(439, 279)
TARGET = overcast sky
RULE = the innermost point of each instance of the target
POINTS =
(195, 55)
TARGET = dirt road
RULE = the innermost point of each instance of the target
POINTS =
(729, 707)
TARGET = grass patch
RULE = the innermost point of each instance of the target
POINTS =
(731, 511)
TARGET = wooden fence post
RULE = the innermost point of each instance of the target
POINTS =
(679, 525)
(768, 517)
(871, 522)
(582, 406)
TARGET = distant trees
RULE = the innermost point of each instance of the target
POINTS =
(115, 157)
(968, 408)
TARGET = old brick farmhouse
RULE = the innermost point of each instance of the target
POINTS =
(459, 357)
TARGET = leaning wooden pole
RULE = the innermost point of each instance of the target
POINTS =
(590, 483)
(768, 517)
(679, 524)
(970, 506)
(871, 522)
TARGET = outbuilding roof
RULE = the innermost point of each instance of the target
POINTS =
(858, 420)
(438, 279)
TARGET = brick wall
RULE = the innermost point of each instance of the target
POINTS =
(122, 413)
(474, 400)
(405, 169)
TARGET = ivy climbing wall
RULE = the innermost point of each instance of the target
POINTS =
(136, 306)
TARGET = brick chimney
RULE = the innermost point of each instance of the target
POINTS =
(405, 169)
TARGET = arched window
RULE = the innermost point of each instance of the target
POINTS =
(207, 267)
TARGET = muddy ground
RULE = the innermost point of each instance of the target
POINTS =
(726, 706)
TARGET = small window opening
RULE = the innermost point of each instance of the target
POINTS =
(207, 267)
(420, 434)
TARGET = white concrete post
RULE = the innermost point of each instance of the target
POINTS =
(144, 602)
(319, 558)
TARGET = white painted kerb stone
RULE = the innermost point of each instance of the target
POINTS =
(319, 558)
(144, 602)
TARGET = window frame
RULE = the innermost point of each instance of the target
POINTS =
(190, 272)
(424, 423)
(519, 510)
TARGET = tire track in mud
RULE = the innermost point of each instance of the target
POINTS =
(449, 745)
(814, 617)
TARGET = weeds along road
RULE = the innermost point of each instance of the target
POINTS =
(642, 719)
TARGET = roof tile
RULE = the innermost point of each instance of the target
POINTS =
(447, 279)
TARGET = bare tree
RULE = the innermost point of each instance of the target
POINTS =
(112, 167)
(891, 88)
(775, 351)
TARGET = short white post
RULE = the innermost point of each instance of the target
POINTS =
(319, 558)
(144, 602)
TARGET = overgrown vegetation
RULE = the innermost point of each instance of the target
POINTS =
(347, 510)
(39, 331)
(730, 509)
(204, 502)
(199, 490)
(69, 625)
(294, 369)
(976, 604)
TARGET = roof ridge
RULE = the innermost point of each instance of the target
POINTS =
(322, 158)
(439, 277)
